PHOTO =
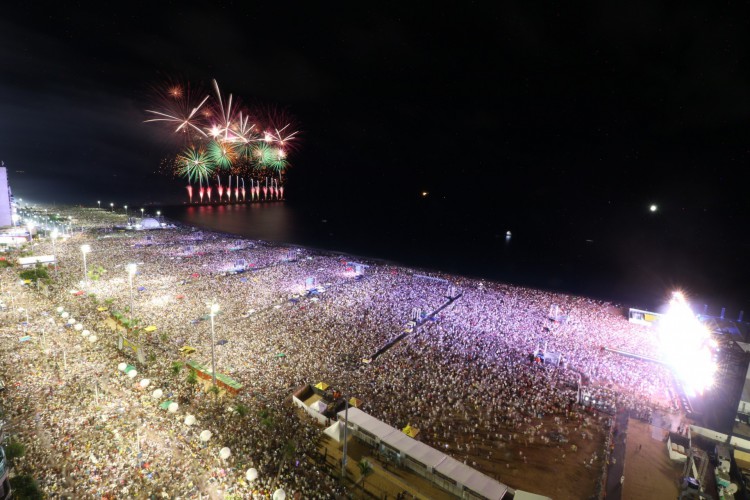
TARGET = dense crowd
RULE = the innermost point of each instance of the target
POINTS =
(466, 377)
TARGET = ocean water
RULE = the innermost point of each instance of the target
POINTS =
(628, 260)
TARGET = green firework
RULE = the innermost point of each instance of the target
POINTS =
(194, 165)
(221, 154)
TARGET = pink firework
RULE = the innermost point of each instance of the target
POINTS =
(190, 193)
(281, 191)
(208, 193)
(201, 192)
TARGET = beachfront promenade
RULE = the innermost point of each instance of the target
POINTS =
(463, 379)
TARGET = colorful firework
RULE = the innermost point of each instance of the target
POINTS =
(221, 154)
(194, 165)
(178, 109)
(221, 135)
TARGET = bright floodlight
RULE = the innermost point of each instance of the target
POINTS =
(132, 269)
(214, 308)
(85, 248)
(653, 208)
(687, 346)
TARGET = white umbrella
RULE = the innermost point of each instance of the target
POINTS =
(65, 314)
(85, 333)
(122, 366)
(132, 373)
(205, 435)
(279, 494)
(252, 474)
(157, 394)
(145, 382)
(78, 327)
(172, 408)
(224, 453)
(190, 420)
(93, 338)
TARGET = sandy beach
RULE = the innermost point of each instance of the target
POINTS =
(464, 379)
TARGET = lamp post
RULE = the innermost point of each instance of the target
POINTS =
(126, 210)
(346, 429)
(141, 213)
(214, 310)
(24, 310)
(54, 234)
(112, 207)
(84, 250)
(131, 272)
(99, 202)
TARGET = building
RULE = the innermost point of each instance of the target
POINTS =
(6, 213)
(430, 463)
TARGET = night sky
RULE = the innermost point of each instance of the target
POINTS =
(590, 114)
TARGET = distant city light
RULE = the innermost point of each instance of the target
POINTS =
(424, 194)
(653, 208)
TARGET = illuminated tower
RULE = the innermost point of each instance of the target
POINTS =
(5, 210)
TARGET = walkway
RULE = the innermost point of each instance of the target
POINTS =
(617, 457)
(384, 348)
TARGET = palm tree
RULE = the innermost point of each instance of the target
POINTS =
(365, 469)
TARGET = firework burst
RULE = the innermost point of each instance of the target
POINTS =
(221, 135)
(194, 165)
(221, 154)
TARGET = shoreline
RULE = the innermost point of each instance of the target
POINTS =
(392, 262)
(272, 335)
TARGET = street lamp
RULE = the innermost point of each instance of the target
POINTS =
(131, 272)
(54, 234)
(346, 429)
(214, 310)
(84, 250)
(141, 213)
(112, 207)
(26, 326)
(99, 202)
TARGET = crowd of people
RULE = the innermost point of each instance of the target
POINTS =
(464, 377)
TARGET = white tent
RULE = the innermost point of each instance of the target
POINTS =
(335, 431)
(319, 406)
(150, 223)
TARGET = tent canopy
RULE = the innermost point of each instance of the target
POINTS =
(335, 431)
(319, 406)
(150, 223)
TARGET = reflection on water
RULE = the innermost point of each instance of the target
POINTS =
(266, 221)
